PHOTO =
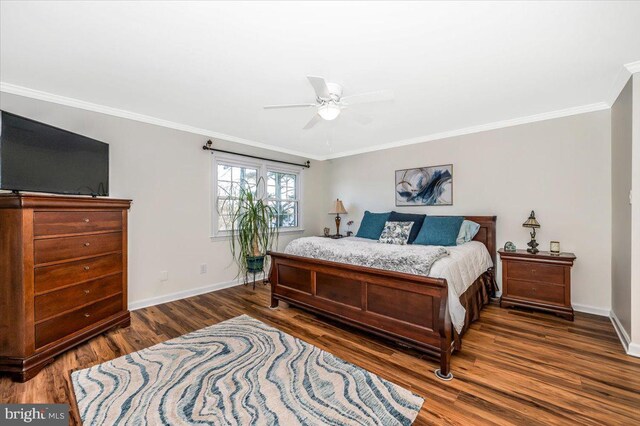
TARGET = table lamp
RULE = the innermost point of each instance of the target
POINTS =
(533, 224)
(338, 208)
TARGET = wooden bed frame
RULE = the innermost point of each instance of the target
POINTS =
(409, 309)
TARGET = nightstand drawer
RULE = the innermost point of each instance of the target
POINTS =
(532, 290)
(530, 271)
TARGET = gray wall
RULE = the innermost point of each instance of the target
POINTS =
(621, 123)
(168, 176)
(560, 167)
(634, 346)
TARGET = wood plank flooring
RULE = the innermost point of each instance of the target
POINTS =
(515, 367)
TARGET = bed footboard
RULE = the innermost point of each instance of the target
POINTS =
(406, 308)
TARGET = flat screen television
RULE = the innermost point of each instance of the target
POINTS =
(36, 157)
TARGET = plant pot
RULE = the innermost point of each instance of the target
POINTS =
(255, 263)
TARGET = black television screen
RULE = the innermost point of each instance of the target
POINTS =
(41, 158)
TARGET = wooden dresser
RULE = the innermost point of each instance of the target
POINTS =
(63, 276)
(541, 281)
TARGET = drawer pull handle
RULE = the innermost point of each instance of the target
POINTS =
(86, 220)
(86, 268)
(87, 244)
(87, 291)
(87, 315)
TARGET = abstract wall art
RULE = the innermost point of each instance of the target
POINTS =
(425, 186)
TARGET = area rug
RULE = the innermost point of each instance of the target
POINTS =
(238, 372)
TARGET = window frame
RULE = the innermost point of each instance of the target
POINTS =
(263, 167)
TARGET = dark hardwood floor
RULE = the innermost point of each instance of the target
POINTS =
(515, 367)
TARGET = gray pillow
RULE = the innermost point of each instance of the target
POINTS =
(468, 230)
(396, 233)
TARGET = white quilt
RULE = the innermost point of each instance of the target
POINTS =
(461, 267)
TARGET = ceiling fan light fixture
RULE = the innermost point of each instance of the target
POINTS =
(329, 111)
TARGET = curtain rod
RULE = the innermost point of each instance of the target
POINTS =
(208, 147)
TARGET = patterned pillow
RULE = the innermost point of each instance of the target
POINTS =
(396, 233)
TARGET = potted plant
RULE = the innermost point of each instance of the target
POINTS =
(253, 230)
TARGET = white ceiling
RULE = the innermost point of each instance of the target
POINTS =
(212, 66)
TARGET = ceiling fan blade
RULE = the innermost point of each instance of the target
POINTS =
(314, 120)
(289, 106)
(377, 96)
(320, 86)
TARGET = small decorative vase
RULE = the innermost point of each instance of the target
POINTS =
(554, 248)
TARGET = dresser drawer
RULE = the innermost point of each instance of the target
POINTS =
(74, 222)
(536, 272)
(63, 325)
(54, 276)
(532, 290)
(56, 249)
(56, 302)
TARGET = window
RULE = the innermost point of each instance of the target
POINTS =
(282, 194)
(230, 180)
(281, 189)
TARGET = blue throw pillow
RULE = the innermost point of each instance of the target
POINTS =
(439, 231)
(417, 220)
(372, 225)
(468, 230)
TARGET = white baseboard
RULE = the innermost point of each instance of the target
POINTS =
(630, 348)
(152, 301)
(594, 310)
(634, 350)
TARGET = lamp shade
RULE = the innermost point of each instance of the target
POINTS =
(531, 222)
(338, 208)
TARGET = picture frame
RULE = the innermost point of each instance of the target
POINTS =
(424, 186)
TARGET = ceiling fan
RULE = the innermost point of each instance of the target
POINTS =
(330, 102)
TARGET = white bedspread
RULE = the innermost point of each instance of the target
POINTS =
(464, 264)
(461, 268)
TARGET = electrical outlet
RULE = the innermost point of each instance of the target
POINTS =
(203, 268)
(164, 275)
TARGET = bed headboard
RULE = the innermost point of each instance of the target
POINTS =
(486, 234)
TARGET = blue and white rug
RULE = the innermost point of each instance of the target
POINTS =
(238, 372)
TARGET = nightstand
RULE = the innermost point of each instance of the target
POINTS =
(539, 281)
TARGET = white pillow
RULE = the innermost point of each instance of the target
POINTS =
(396, 233)
(468, 230)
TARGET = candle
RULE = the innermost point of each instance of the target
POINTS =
(555, 247)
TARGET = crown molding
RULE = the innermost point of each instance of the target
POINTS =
(476, 129)
(633, 67)
(103, 109)
(623, 76)
(76, 103)
(618, 85)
